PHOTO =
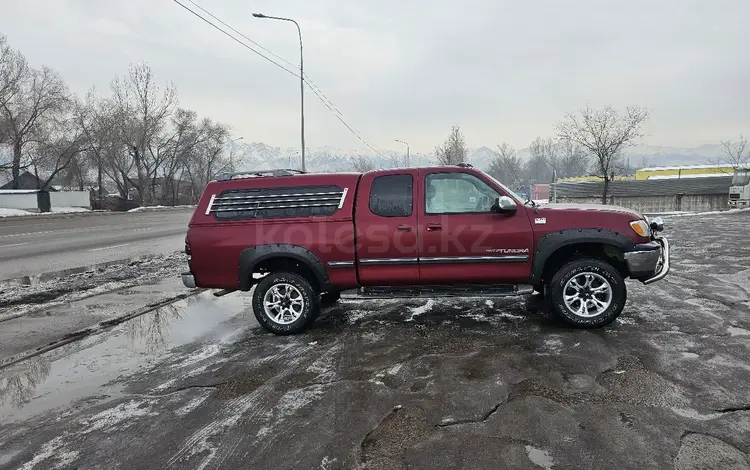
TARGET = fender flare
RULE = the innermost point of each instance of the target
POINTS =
(252, 256)
(553, 241)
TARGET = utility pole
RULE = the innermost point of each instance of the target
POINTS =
(407, 151)
(301, 79)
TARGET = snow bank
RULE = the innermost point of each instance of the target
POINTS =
(692, 214)
(148, 208)
(5, 212)
(69, 210)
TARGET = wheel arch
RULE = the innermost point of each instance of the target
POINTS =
(555, 248)
(281, 257)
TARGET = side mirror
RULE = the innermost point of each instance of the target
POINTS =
(505, 205)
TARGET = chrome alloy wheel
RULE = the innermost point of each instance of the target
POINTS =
(587, 294)
(283, 303)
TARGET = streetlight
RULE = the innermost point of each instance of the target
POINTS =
(301, 79)
(231, 152)
(407, 150)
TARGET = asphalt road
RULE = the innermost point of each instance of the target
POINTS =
(43, 244)
(436, 384)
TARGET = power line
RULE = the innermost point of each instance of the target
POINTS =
(235, 39)
(313, 87)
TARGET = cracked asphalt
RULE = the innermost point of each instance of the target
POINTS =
(435, 384)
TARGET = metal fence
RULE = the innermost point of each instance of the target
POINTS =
(645, 188)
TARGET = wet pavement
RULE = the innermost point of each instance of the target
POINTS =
(445, 383)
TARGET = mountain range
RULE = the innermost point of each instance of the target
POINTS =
(260, 156)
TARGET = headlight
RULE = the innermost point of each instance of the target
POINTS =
(640, 227)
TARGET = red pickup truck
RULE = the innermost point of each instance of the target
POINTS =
(304, 239)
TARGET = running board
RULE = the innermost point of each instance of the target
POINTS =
(393, 292)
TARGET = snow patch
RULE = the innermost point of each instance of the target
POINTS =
(148, 208)
(539, 457)
(689, 355)
(735, 331)
(122, 413)
(294, 400)
(730, 211)
(693, 414)
(6, 212)
(416, 311)
(193, 404)
(53, 448)
(202, 354)
(489, 303)
(553, 345)
(356, 315)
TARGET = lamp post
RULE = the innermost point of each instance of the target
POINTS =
(301, 79)
(407, 150)
(231, 152)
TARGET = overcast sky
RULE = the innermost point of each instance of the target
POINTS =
(503, 70)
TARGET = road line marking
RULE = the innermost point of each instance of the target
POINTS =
(15, 244)
(109, 247)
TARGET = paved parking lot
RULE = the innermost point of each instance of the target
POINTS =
(418, 384)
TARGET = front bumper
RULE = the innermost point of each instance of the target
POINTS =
(649, 262)
(189, 280)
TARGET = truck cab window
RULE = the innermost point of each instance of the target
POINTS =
(457, 193)
(741, 177)
(392, 196)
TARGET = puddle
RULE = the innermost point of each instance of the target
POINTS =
(88, 368)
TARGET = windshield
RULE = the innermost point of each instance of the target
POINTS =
(507, 191)
(741, 177)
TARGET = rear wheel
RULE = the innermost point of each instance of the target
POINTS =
(587, 293)
(285, 303)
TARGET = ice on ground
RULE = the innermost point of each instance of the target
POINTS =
(539, 457)
(193, 404)
(416, 311)
(52, 449)
(735, 331)
(120, 414)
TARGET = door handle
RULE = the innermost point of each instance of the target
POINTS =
(434, 227)
(404, 228)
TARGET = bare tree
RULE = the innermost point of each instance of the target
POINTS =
(507, 166)
(735, 152)
(41, 96)
(573, 160)
(603, 132)
(547, 150)
(12, 68)
(364, 163)
(60, 143)
(96, 120)
(453, 150)
(142, 112)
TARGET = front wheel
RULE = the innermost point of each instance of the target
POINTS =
(285, 303)
(587, 293)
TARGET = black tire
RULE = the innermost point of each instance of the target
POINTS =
(310, 307)
(600, 272)
(327, 299)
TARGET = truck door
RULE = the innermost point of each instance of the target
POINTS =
(461, 239)
(386, 228)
